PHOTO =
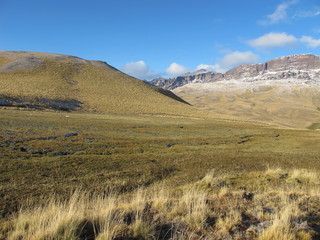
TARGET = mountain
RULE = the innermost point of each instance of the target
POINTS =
(284, 91)
(62, 82)
(201, 75)
(300, 67)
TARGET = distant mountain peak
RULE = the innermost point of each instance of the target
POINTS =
(199, 71)
(299, 66)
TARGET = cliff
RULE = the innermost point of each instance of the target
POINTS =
(304, 67)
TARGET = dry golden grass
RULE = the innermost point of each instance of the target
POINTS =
(124, 153)
(281, 223)
(228, 223)
(273, 171)
(191, 208)
(3, 60)
(304, 175)
(190, 212)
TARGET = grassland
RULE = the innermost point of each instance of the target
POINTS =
(271, 204)
(47, 155)
(124, 160)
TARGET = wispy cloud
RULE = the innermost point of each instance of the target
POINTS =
(139, 70)
(310, 41)
(280, 13)
(272, 40)
(231, 60)
(316, 30)
(307, 14)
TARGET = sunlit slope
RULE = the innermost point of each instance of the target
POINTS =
(40, 80)
(286, 105)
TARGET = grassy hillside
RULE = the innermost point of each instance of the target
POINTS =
(69, 83)
(295, 106)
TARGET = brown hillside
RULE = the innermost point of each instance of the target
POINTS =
(41, 80)
(288, 105)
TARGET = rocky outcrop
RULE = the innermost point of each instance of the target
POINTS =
(296, 66)
(301, 67)
(200, 76)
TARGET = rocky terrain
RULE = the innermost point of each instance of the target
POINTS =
(199, 76)
(305, 68)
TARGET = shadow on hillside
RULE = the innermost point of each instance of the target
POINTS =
(41, 103)
(172, 95)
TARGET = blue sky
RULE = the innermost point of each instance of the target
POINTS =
(152, 38)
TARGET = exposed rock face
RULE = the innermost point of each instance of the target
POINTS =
(295, 66)
(296, 62)
(301, 67)
(200, 76)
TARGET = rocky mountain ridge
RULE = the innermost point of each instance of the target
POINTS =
(305, 68)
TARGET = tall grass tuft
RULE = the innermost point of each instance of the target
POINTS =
(189, 212)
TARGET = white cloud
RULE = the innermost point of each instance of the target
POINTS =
(310, 41)
(215, 68)
(139, 70)
(238, 58)
(273, 40)
(176, 69)
(231, 60)
(280, 13)
(205, 67)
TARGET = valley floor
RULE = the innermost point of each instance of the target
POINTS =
(55, 155)
(284, 103)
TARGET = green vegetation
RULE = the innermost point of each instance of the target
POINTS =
(120, 154)
(314, 126)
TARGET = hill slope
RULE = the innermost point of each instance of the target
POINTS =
(291, 106)
(284, 91)
(54, 81)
